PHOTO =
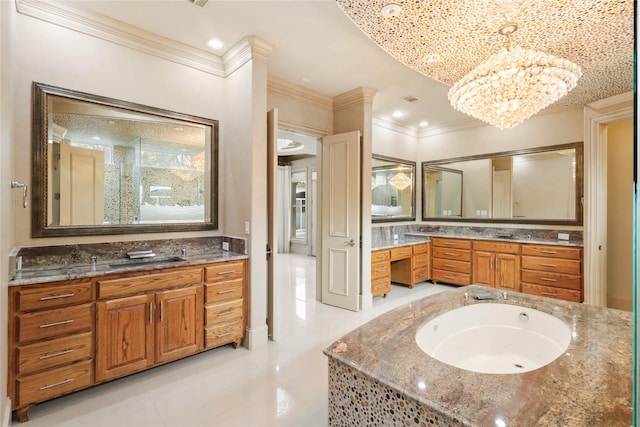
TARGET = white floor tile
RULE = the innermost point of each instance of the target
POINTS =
(284, 384)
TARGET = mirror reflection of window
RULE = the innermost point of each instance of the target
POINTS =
(299, 205)
(392, 189)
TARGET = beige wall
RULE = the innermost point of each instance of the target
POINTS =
(620, 215)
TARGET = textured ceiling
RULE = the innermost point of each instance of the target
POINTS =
(595, 34)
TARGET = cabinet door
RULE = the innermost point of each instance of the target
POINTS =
(507, 272)
(180, 328)
(483, 268)
(124, 336)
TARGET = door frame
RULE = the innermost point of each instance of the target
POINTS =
(596, 116)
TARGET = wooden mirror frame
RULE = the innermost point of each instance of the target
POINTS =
(39, 165)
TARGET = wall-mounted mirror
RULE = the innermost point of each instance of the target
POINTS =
(536, 186)
(393, 183)
(105, 166)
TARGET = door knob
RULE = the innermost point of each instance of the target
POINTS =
(351, 243)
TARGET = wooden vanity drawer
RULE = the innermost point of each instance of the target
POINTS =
(552, 251)
(380, 269)
(223, 334)
(224, 312)
(551, 292)
(380, 286)
(42, 297)
(453, 254)
(403, 252)
(224, 291)
(224, 271)
(55, 322)
(422, 248)
(48, 354)
(567, 281)
(451, 243)
(54, 382)
(377, 256)
(115, 288)
(449, 265)
(555, 265)
(451, 277)
(501, 247)
(420, 275)
(420, 261)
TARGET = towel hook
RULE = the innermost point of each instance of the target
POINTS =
(25, 188)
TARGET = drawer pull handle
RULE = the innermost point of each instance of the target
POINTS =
(549, 265)
(222, 273)
(549, 293)
(64, 322)
(224, 335)
(422, 274)
(548, 252)
(227, 291)
(547, 279)
(449, 265)
(60, 353)
(57, 296)
(57, 384)
(449, 243)
(381, 257)
(381, 270)
(450, 254)
(225, 313)
(449, 277)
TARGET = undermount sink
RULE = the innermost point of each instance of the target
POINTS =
(494, 338)
(145, 261)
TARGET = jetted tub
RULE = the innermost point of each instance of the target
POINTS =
(494, 338)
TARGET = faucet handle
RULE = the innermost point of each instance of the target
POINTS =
(504, 295)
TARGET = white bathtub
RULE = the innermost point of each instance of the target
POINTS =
(494, 338)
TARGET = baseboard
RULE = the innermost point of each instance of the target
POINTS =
(6, 414)
(256, 338)
(620, 303)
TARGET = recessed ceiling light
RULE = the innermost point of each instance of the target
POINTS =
(423, 124)
(215, 44)
(306, 79)
(397, 114)
(434, 57)
(390, 10)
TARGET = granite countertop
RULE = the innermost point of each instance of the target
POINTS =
(54, 273)
(415, 237)
(591, 384)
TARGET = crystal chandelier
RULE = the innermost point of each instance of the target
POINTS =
(400, 181)
(513, 84)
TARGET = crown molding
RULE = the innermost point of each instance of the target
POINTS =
(613, 103)
(358, 96)
(384, 123)
(97, 25)
(300, 93)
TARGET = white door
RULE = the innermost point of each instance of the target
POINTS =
(341, 220)
(272, 221)
(81, 186)
(501, 194)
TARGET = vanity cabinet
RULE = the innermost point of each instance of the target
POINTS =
(225, 304)
(71, 335)
(552, 271)
(150, 324)
(421, 263)
(50, 342)
(496, 264)
(380, 272)
(451, 261)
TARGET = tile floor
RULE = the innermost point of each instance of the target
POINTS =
(284, 384)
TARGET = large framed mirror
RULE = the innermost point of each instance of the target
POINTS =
(534, 186)
(393, 183)
(106, 166)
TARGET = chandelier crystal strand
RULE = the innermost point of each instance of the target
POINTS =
(513, 84)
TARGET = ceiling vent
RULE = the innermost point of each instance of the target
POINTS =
(200, 3)
(410, 98)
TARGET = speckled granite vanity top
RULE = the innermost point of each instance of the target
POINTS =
(55, 263)
(591, 384)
